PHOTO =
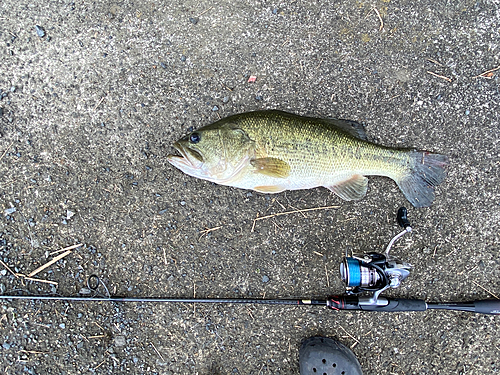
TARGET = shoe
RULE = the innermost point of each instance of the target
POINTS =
(325, 356)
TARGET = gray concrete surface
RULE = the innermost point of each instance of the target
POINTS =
(91, 109)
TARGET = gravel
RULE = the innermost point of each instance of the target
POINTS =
(149, 73)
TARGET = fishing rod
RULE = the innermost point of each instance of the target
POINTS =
(370, 273)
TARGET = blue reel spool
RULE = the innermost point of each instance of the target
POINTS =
(350, 271)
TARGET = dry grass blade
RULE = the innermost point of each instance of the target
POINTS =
(208, 230)
(486, 290)
(7, 149)
(439, 76)
(39, 280)
(66, 248)
(380, 19)
(488, 74)
(291, 212)
(8, 268)
(48, 264)
(156, 350)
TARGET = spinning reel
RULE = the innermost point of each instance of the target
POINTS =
(375, 272)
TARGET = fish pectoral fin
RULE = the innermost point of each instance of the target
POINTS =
(269, 189)
(352, 189)
(272, 167)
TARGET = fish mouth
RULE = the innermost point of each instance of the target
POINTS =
(189, 158)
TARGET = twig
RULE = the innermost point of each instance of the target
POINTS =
(32, 352)
(99, 103)
(435, 62)
(317, 253)
(48, 264)
(8, 268)
(156, 350)
(66, 248)
(201, 14)
(39, 280)
(291, 212)
(484, 74)
(327, 279)
(486, 290)
(439, 76)
(99, 365)
(351, 336)
(7, 149)
(208, 230)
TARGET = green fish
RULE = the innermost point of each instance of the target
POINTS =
(273, 151)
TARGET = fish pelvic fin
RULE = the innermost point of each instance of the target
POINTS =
(269, 189)
(352, 189)
(271, 167)
(427, 170)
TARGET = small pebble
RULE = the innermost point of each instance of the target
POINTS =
(120, 341)
(265, 279)
(183, 203)
(183, 58)
(215, 108)
(69, 214)
(259, 98)
(39, 31)
(225, 99)
(194, 20)
(6, 345)
(163, 65)
(62, 325)
(467, 112)
(13, 89)
(9, 211)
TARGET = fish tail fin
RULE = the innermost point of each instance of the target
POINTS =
(427, 170)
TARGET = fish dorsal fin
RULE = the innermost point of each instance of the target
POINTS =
(269, 189)
(272, 167)
(351, 127)
(352, 189)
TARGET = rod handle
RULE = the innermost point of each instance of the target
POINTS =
(487, 306)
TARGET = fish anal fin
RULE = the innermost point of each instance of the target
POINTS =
(351, 189)
(269, 189)
(272, 167)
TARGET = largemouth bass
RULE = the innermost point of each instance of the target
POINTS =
(273, 151)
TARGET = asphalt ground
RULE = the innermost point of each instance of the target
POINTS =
(95, 93)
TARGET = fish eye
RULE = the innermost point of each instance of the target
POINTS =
(194, 138)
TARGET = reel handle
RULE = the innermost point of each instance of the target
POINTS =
(402, 217)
